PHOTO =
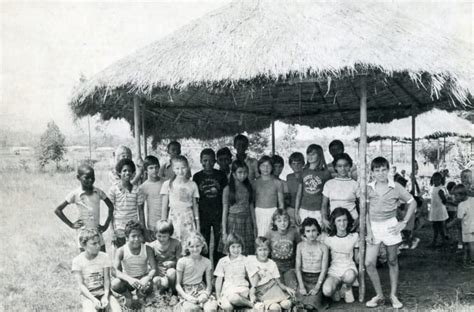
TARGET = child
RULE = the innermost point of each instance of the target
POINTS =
(283, 240)
(151, 190)
(382, 227)
(466, 215)
(293, 180)
(337, 147)
(265, 279)
(167, 251)
(211, 183)
(194, 293)
(87, 200)
(466, 180)
(224, 160)
(341, 191)
(127, 199)
(232, 287)
(241, 144)
(459, 195)
(278, 165)
(92, 272)
(268, 195)
(238, 214)
(314, 176)
(438, 213)
(174, 150)
(181, 194)
(311, 266)
(343, 245)
(123, 152)
(134, 263)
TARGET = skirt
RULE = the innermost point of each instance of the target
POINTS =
(270, 293)
(240, 224)
(183, 223)
(311, 301)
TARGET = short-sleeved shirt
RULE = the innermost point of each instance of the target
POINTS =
(353, 171)
(313, 183)
(92, 271)
(341, 193)
(466, 213)
(193, 270)
(342, 249)
(172, 253)
(87, 205)
(283, 248)
(293, 182)
(152, 196)
(266, 270)
(234, 272)
(126, 204)
(384, 207)
(210, 187)
(180, 194)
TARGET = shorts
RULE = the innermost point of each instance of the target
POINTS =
(228, 291)
(263, 218)
(467, 237)
(315, 214)
(380, 230)
(338, 271)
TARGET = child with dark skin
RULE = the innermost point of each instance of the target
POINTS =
(224, 159)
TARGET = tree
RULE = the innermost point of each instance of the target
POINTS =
(288, 141)
(51, 146)
(433, 152)
(259, 142)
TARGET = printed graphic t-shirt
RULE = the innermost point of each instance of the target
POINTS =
(210, 192)
(92, 271)
(313, 183)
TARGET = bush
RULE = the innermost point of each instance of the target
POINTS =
(51, 146)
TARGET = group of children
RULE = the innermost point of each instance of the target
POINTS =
(285, 242)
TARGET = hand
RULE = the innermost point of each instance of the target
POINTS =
(192, 299)
(135, 283)
(252, 296)
(326, 224)
(102, 228)
(297, 218)
(369, 238)
(145, 280)
(396, 229)
(97, 303)
(356, 224)
(202, 298)
(303, 291)
(290, 292)
(104, 301)
(314, 291)
(78, 224)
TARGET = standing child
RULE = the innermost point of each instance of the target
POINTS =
(466, 180)
(151, 190)
(383, 227)
(314, 176)
(92, 272)
(278, 165)
(87, 200)
(232, 286)
(194, 294)
(224, 160)
(238, 214)
(241, 144)
(311, 266)
(343, 245)
(268, 195)
(293, 180)
(123, 152)
(211, 183)
(438, 213)
(267, 289)
(336, 147)
(174, 150)
(127, 199)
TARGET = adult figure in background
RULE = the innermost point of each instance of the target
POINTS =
(241, 144)
(337, 147)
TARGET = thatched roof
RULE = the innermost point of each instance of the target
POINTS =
(249, 62)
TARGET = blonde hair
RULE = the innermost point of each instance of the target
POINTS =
(120, 149)
(195, 237)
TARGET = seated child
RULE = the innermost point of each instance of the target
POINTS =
(232, 286)
(267, 289)
(194, 294)
(92, 272)
(87, 200)
(311, 266)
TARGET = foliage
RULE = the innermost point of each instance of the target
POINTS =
(259, 142)
(288, 142)
(51, 146)
(434, 152)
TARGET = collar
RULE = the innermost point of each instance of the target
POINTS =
(82, 192)
(391, 184)
(122, 189)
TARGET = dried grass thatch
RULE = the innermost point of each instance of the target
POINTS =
(251, 62)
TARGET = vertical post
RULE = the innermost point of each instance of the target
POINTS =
(391, 150)
(136, 119)
(145, 152)
(444, 149)
(90, 146)
(413, 149)
(363, 184)
(273, 137)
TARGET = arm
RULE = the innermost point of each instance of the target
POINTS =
(219, 281)
(299, 276)
(59, 212)
(109, 204)
(225, 210)
(105, 298)
(164, 206)
(141, 215)
(208, 283)
(152, 264)
(324, 270)
(180, 290)
(299, 196)
(254, 279)
(254, 220)
(325, 212)
(138, 173)
(401, 225)
(84, 291)
(281, 197)
(443, 197)
(196, 213)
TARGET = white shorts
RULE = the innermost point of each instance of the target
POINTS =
(380, 230)
(315, 214)
(263, 218)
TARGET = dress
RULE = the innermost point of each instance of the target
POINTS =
(342, 253)
(438, 210)
(234, 272)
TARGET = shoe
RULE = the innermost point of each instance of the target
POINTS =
(375, 302)
(396, 304)
(415, 243)
(348, 295)
(460, 246)
(336, 297)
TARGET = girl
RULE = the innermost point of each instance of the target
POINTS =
(194, 294)
(283, 240)
(267, 289)
(238, 215)
(341, 191)
(314, 176)
(342, 244)
(232, 287)
(311, 265)
(438, 213)
(268, 195)
(181, 194)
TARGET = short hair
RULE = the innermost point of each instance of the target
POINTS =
(296, 156)
(133, 225)
(336, 213)
(379, 162)
(309, 222)
(262, 241)
(150, 160)
(450, 186)
(280, 213)
(263, 159)
(466, 171)
(208, 152)
(225, 151)
(233, 238)
(192, 237)
(86, 235)
(344, 156)
(277, 159)
(82, 168)
(175, 143)
(438, 175)
(164, 227)
(241, 137)
(122, 148)
(460, 189)
(125, 162)
(335, 143)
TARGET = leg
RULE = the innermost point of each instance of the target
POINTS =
(87, 305)
(119, 286)
(330, 285)
(239, 300)
(114, 305)
(286, 304)
(225, 304)
(349, 277)
(290, 280)
(393, 268)
(216, 227)
(171, 278)
(274, 307)
(371, 266)
(210, 306)
(470, 247)
(190, 307)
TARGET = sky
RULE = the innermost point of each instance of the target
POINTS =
(47, 46)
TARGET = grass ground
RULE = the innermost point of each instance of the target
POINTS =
(37, 249)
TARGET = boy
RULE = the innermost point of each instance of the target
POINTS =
(296, 161)
(337, 147)
(211, 183)
(241, 144)
(87, 200)
(92, 272)
(134, 263)
(127, 199)
(173, 150)
(382, 227)
(151, 189)
(466, 180)
(224, 160)
(278, 165)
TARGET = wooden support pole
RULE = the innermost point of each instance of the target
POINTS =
(444, 149)
(391, 151)
(413, 149)
(136, 119)
(90, 142)
(145, 152)
(273, 137)
(363, 184)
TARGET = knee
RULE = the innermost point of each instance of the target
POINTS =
(371, 264)
(393, 260)
(210, 306)
(274, 307)
(285, 304)
(227, 306)
(328, 289)
(117, 285)
(234, 299)
(349, 277)
(171, 274)
(190, 307)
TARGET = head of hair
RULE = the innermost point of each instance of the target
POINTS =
(450, 186)
(133, 225)
(336, 213)
(262, 241)
(241, 137)
(233, 238)
(225, 151)
(164, 227)
(120, 149)
(195, 237)
(236, 164)
(310, 222)
(277, 159)
(174, 160)
(149, 161)
(280, 213)
(335, 143)
(86, 235)
(466, 171)
(83, 168)
(264, 159)
(437, 175)
(460, 189)
(174, 143)
(379, 162)
(296, 156)
(399, 179)
(319, 150)
(344, 156)
(125, 162)
(208, 152)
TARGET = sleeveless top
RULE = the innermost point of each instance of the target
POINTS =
(135, 265)
(311, 258)
(438, 210)
(241, 204)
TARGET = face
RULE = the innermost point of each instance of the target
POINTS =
(135, 238)
(266, 168)
(92, 246)
(240, 146)
(163, 237)
(87, 178)
(174, 150)
(336, 149)
(312, 157)
(195, 247)
(180, 168)
(224, 162)
(277, 169)
(241, 174)
(342, 168)
(380, 174)
(436, 180)
(297, 166)
(466, 178)
(311, 232)
(262, 252)
(152, 171)
(341, 223)
(282, 223)
(458, 197)
(126, 173)
(235, 250)
(207, 162)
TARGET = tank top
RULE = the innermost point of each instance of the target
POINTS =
(311, 258)
(135, 265)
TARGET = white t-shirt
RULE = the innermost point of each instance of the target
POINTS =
(233, 271)
(92, 271)
(466, 213)
(341, 193)
(180, 194)
(152, 195)
(342, 249)
(266, 270)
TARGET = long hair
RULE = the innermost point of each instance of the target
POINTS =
(191, 238)
(179, 158)
(280, 213)
(236, 164)
(336, 213)
(319, 150)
